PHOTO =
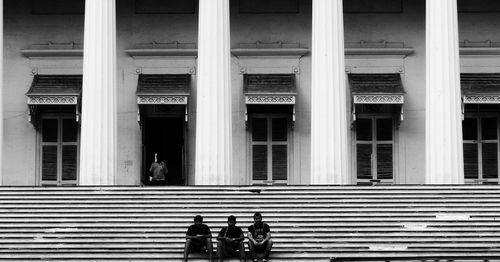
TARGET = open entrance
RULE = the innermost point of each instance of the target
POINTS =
(164, 136)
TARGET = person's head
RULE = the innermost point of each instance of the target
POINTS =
(257, 218)
(198, 220)
(231, 221)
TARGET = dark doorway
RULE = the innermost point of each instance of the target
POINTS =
(165, 136)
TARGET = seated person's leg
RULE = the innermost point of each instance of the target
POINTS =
(187, 249)
(251, 248)
(267, 248)
(220, 250)
(208, 244)
(241, 248)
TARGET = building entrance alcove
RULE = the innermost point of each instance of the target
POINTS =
(165, 136)
(162, 102)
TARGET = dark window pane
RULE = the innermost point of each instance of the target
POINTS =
(49, 130)
(70, 130)
(363, 158)
(280, 162)
(364, 129)
(165, 7)
(259, 162)
(69, 162)
(279, 129)
(490, 160)
(384, 129)
(489, 128)
(469, 129)
(384, 161)
(49, 163)
(470, 161)
(259, 129)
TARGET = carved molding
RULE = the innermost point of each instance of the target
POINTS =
(378, 99)
(161, 100)
(481, 99)
(52, 100)
(270, 99)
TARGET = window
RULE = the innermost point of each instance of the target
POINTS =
(269, 149)
(480, 145)
(59, 151)
(374, 151)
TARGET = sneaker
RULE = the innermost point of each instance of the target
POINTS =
(255, 260)
(264, 260)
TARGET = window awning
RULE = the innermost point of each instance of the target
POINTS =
(386, 89)
(266, 89)
(480, 88)
(269, 89)
(162, 89)
(54, 90)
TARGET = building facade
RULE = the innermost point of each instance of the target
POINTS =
(242, 92)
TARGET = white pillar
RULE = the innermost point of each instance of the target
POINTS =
(213, 161)
(444, 153)
(329, 136)
(1, 92)
(98, 131)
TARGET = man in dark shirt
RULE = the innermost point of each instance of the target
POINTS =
(198, 238)
(259, 239)
(230, 240)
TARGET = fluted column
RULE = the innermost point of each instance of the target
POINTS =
(213, 163)
(444, 153)
(98, 131)
(1, 92)
(329, 139)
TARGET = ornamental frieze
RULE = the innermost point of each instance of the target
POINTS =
(265, 99)
(482, 99)
(52, 100)
(163, 99)
(378, 99)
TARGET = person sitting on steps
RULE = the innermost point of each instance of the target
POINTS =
(198, 239)
(230, 241)
(259, 239)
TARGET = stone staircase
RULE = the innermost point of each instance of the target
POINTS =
(308, 223)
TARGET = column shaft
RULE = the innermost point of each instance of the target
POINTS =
(444, 152)
(329, 136)
(1, 92)
(213, 159)
(98, 132)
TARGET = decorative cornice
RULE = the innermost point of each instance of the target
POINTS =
(384, 51)
(34, 53)
(378, 99)
(293, 52)
(481, 99)
(162, 100)
(270, 99)
(52, 100)
(133, 52)
(465, 51)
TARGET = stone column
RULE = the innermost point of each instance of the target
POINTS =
(98, 131)
(444, 152)
(1, 92)
(329, 136)
(213, 160)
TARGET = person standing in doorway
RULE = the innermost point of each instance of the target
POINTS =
(158, 171)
